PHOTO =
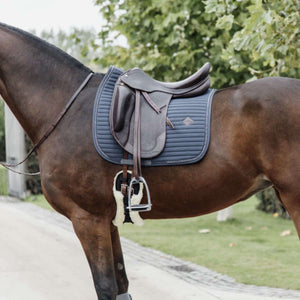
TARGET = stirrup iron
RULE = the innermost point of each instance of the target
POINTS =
(139, 207)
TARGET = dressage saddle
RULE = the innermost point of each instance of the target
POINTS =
(138, 115)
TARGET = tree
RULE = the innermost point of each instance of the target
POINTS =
(168, 39)
(269, 37)
(79, 43)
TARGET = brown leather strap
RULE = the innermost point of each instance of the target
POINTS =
(137, 160)
(137, 170)
(124, 185)
(49, 131)
(125, 167)
(151, 102)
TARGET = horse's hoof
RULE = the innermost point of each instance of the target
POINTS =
(125, 296)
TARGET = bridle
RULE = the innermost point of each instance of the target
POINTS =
(49, 131)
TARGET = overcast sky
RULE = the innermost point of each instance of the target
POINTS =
(50, 14)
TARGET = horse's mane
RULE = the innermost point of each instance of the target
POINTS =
(44, 46)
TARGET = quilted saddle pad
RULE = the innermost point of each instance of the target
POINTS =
(187, 143)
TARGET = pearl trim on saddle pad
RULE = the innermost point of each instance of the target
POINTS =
(135, 200)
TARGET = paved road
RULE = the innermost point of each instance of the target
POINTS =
(41, 259)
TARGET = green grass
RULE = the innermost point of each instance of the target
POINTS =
(3, 181)
(259, 256)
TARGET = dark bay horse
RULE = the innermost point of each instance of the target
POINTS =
(255, 143)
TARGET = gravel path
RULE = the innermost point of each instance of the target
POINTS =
(188, 280)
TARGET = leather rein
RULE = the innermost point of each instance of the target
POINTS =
(49, 131)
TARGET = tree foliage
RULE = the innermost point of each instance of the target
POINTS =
(168, 39)
(268, 42)
(79, 43)
(171, 39)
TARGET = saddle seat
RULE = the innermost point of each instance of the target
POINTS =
(195, 84)
(138, 113)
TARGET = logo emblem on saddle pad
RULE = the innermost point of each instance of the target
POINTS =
(188, 121)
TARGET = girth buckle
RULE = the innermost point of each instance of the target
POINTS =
(139, 207)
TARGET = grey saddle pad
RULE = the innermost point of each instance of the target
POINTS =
(187, 143)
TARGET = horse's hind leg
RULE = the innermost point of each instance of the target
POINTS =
(94, 234)
(120, 272)
(291, 202)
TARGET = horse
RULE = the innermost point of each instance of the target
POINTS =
(254, 144)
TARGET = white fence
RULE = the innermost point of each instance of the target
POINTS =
(15, 152)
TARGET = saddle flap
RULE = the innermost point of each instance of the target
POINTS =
(153, 124)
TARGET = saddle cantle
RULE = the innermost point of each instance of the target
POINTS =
(138, 114)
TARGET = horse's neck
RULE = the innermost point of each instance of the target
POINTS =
(36, 79)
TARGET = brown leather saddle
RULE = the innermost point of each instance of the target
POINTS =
(138, 115)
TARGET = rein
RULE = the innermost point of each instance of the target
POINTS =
(49, 131)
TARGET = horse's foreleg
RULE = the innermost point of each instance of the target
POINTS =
(94, 234)
(120, 272)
